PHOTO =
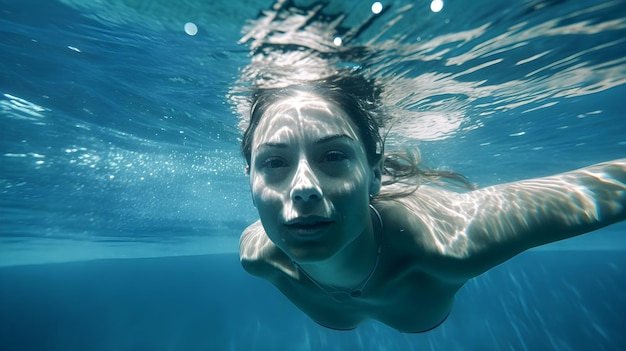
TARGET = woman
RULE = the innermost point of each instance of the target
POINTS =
(347, 233)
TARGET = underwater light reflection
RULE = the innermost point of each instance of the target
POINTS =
(436, 5)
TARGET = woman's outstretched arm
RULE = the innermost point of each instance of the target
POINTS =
(498, 222)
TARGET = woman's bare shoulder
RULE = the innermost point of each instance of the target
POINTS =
(258, 254)
(429, 223)
(427, 210)
(251, 242)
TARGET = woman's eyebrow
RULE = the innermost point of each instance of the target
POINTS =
(332, 137)
(272, 144)
(322, 140)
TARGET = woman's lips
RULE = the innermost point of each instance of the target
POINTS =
(308, 220)
(308, 226)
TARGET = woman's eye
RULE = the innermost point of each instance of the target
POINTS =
(274, 163)
(334, 156)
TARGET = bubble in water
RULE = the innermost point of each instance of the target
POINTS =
(377, 7)
(337, 41)
(436, 5)
(191, 28)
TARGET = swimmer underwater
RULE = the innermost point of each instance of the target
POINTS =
(349, 232)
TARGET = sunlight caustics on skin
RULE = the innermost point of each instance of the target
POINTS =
(532, 200)
(292, 180)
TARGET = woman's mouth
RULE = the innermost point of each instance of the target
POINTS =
(309, 226)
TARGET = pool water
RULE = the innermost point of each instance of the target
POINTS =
(123, 192)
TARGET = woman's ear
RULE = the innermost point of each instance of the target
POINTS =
(247, 170)
(376, 180)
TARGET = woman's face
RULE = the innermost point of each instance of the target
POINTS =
(310, 178)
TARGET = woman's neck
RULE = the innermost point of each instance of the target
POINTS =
(353, 265)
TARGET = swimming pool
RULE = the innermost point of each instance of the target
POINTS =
(123, 191)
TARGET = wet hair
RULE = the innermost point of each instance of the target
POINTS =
(360, 98)
(353, 94)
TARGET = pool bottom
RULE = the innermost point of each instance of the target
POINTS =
(562, 300)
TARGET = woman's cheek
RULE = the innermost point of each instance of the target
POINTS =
(353, 185)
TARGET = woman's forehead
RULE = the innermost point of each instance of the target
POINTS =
(300, 116)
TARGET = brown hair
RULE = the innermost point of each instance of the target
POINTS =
(360, 99)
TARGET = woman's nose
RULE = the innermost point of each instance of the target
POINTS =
(305, 185)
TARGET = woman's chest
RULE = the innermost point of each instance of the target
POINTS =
(414, 306)
(407, 302)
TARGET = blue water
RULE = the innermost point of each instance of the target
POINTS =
(122, 191)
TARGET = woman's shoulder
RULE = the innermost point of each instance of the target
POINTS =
(258, 254)
(252, 240)
(253, 247)
(423, 203)
(426, 220)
